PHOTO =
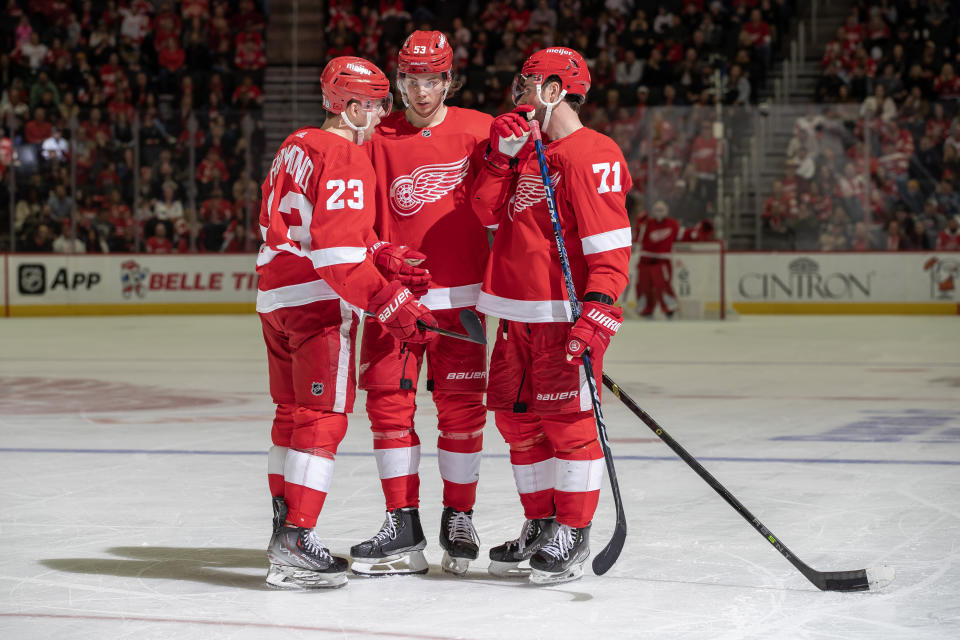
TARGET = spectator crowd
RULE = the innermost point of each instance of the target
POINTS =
(875, 163)
(115, 87)
(122, 98)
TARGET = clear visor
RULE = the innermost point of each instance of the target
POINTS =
(519, 87)
(383, 105)
(411, 83)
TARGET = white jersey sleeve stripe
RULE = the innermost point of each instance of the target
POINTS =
(607, 241)
(337, 255)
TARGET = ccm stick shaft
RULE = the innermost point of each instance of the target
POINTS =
(859, 580)
(609, 554)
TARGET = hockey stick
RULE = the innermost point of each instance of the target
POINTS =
(859, 580)
(474, 329)
(609, 554)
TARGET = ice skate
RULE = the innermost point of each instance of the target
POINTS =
(279, 517)
(298, 560)
(397, 549)
(459, 540)
(561, 559)
(505, 559)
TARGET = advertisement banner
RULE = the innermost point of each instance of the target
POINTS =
(46, 284)
(914, 282)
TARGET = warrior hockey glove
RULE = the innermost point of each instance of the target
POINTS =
(398, 311)
(598, 323)
(400, 263)
(510, 143)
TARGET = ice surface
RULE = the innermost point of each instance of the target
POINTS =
(134, 501)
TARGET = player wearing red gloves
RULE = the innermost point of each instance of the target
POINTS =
(537, 386)
(316, 275)
(425, 158)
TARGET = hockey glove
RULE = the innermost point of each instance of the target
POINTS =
(598, 323)
(398, 311)
(510, 142)
(400, 263)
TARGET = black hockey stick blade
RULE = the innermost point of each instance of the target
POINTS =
(450, 334)
(471, 322)
(609, 554)
(870, 579)
(478, 337)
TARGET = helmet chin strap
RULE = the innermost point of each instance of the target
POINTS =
(358, 130)
(549, 105)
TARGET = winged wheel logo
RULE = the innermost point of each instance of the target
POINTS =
(429, 183)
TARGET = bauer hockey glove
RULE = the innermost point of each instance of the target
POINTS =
(598, 323)
(398, 311)
(401, 263)
(509, 143)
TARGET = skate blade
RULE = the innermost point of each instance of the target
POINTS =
(296, 579)
(545, 577)
(507, 569)
(410, 563)
(456, 566)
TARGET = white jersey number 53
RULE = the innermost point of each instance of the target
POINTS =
(604, 169)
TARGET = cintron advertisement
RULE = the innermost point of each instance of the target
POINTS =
(897, 283)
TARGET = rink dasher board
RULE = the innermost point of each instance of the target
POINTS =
(754, 283)
(909, 282)
(916, 282)
(51, 284)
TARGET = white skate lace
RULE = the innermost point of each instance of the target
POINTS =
(460, 529)
(561, 545)
(388, 531)
(521, 542)
(314, 545)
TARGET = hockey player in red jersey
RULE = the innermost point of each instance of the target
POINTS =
(656, 234)
(537, 388)
(425, 158)
(316, 275)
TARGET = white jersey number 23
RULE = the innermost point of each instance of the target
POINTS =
(336, 201)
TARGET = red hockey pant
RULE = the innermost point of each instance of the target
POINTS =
(654, 287)
(310, 362)
(456, 372)
(543, 410)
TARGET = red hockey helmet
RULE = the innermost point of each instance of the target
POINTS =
(562, 62)
(349, 78)
(425, 52)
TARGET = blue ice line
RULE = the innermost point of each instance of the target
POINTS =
(216, 452)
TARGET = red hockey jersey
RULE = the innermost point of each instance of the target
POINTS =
(316, 218)
(523, 279)
(657, 238)
(422, 180)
